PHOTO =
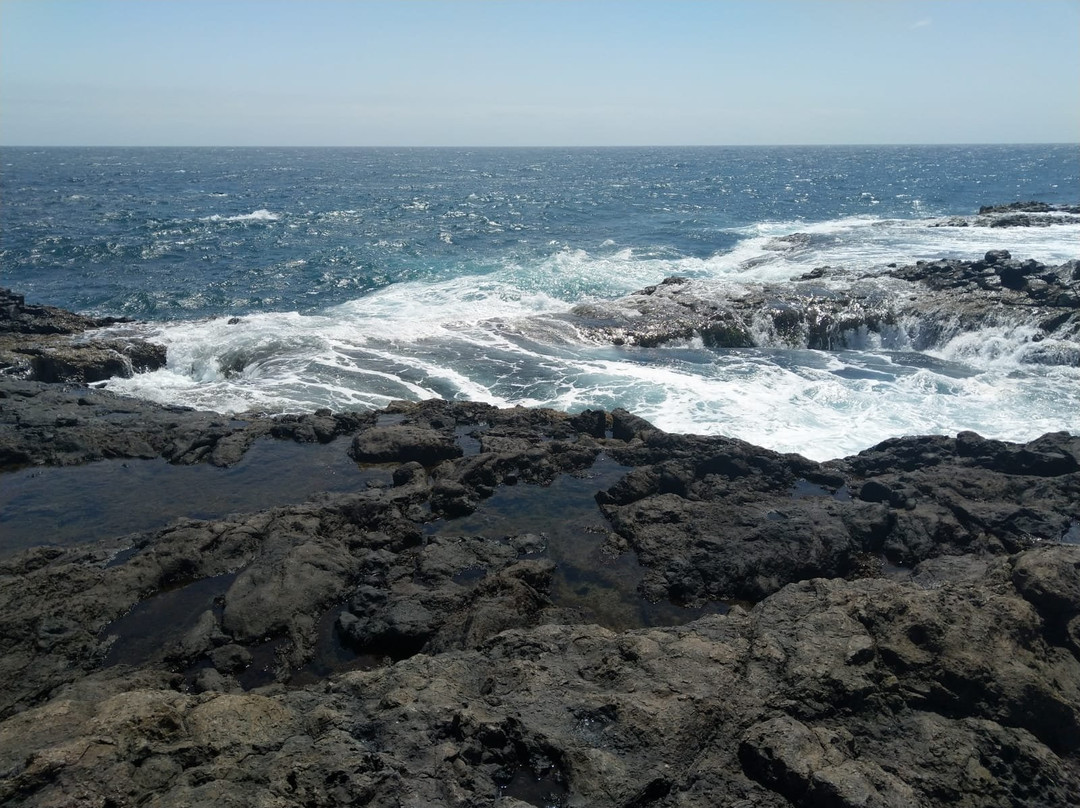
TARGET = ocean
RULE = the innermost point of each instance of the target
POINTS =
(287, 280)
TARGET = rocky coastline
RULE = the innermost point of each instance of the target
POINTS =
(515, 607)
(833, 308)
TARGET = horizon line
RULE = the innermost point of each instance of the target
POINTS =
(535, 146)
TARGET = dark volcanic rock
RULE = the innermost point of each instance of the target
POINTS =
(17, 317)
(452, 593)
(41, 343)
(357, 650)
(403, 444)
(47, 424)
(999, 279)
(92, 361)
(1014, 207)
(1016, 214)
(831, 308)
(870, 692)
(292, 564)
(905, 307)
(716, 518)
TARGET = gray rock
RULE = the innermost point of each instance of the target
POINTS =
(905, 307)
(830, 692)
(230, 658)
(403, 444)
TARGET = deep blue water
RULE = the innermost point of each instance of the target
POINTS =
(363, 275)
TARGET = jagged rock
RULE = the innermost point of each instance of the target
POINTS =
(41, 343)
(870, 692)
(1016, 214)
(16, 316)
(1013, 207)
(715, 518)
(43, 424)
(231, 658)
(995, 290)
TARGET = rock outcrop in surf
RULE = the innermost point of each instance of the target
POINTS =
(1016, 214)
(46, 344)
(832, 308)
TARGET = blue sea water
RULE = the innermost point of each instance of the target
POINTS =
(360, 276)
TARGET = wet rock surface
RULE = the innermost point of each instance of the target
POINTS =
(717, 519)
(1016, 214)
(460, 680)
(47, 344)
(831, 308)
(830, 692)
(55, 425)
(900, 627)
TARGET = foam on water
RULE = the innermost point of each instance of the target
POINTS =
(261, 215)
(771, 252)
(1007, 348)
(819, 404)
(484, 336)
(411, 311)
(359, 277)
(841, 406)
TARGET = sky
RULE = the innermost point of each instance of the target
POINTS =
(526, 73)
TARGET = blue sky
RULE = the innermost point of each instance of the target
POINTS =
(631, 72)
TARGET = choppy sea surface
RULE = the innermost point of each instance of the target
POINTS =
(293, 279)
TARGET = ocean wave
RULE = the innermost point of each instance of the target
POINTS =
(770, 252)
(1008, 348)
(820, 404)
(261, 215)
(419, 274)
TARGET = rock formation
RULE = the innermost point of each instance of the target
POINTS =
(896, 628)
(45, 344)
(831, 308)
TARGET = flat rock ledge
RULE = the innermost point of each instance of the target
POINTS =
(43, 343)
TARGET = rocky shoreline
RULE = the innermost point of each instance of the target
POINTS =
(472, 621)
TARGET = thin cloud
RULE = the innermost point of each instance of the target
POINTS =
(925, 22)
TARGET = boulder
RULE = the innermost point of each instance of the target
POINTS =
(403, 444)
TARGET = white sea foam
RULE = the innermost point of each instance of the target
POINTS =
(1009, 347)
(870, 244)
(261, 215)
(823, 415)
(819, 404)
(478, 336)
(412, 311)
